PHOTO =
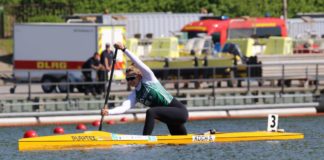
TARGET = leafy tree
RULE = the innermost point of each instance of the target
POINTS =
(232, 8)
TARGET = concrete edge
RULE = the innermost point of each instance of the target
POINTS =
(140, 116)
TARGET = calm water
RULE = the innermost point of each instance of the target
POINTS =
(312, 147)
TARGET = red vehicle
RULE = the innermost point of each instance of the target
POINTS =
(222, 28)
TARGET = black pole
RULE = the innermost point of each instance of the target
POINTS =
(108, 89)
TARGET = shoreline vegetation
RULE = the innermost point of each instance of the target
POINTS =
(6, 54)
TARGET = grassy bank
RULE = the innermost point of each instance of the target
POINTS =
(6, 46)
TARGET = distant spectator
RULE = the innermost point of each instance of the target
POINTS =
(106, 61)
(203, 11)
(94, 64)
(106, 11)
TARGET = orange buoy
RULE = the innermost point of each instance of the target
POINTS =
(58, 130)
(30, 133)
(81, 127)
(96, 123)
(123, 119)
(111, 122)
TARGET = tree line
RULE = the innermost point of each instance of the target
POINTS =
(55, 10)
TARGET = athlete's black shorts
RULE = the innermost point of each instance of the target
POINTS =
(174, 116)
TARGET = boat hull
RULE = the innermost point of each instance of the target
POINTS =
(100, 139)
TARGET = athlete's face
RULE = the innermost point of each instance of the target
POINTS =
(133, 80)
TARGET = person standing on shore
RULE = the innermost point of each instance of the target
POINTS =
(106, 61)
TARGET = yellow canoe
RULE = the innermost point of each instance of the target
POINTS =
(100, 139)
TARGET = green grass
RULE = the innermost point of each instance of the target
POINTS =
(6, 46)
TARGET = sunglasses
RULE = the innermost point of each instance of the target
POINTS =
(130, 78)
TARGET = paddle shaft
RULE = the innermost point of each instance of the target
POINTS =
(109, 85)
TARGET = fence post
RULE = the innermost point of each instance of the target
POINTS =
(316, 79)
(67, 85)
(214, 93)
(178, 79)
(29, 86)
(282, 78)
(249, 78)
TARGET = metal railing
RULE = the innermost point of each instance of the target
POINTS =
(283, 74)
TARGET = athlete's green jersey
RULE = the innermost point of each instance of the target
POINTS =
(153, 94)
